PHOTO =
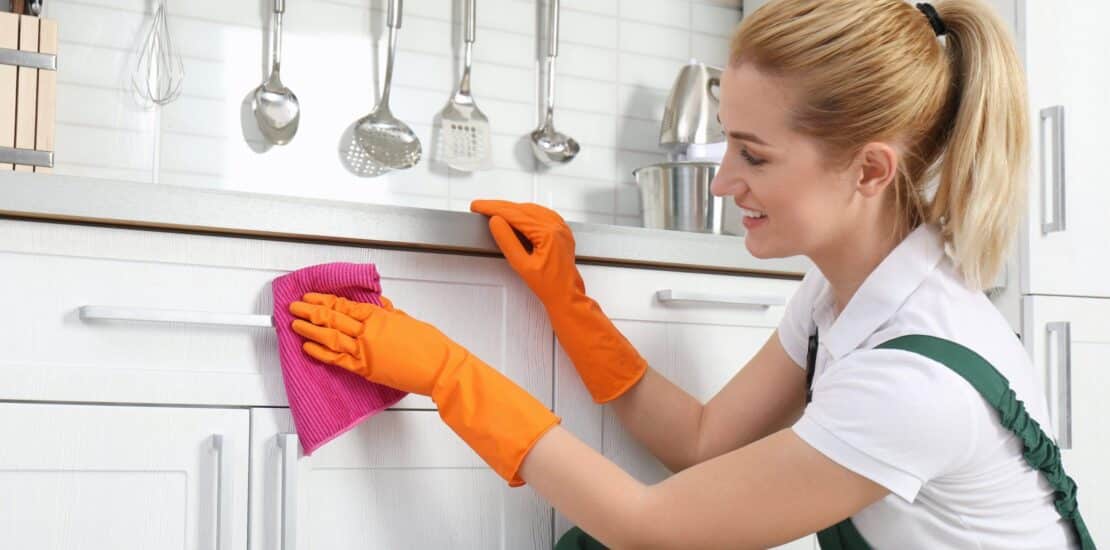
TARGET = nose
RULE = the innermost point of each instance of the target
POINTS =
(727, 182)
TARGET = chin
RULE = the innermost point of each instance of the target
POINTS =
(763, 252)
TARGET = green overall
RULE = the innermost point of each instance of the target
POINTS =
(1040, 451)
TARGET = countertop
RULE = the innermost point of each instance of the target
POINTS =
(125, 203)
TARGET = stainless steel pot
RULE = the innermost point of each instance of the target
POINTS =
(675, 195)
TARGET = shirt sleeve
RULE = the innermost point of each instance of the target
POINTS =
(797, 321)
(892, 416)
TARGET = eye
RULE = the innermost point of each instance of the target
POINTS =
(748, 157)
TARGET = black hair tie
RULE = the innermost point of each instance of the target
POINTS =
(934, 18)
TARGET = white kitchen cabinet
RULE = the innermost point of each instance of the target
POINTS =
(1068, 75)
(400, 480)
(52, 353)
(108, 477)
(1069, 340)
(698, 330)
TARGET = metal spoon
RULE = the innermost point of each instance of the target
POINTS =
(388, 141)
(275, 107)
(550, 146)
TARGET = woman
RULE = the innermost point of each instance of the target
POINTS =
(838, 114)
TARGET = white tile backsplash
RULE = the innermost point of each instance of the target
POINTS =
(655, 40)
(674, 13)
(713, 20)
(617, 61)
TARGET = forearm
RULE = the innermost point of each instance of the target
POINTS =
(664, 418)
(589, 490)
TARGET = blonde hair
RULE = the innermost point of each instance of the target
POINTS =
(875, 70)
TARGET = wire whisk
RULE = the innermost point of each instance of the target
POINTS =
(158, 71)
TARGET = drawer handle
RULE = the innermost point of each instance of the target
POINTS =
(1062, 331)
(1056, 193)
(289, 445)
(223, 477)
(152, 315)
(668, 295)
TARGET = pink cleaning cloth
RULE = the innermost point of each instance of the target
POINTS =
(325, 400)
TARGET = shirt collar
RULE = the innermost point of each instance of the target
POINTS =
(882, 293)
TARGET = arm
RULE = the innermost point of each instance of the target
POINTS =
(767, 395)
(767, 493)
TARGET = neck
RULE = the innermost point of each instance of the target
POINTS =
(849, 259)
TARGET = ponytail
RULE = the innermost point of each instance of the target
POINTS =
(981, 196)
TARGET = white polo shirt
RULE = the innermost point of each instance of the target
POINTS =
(956, 476)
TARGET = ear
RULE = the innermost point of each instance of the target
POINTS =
(878, 164)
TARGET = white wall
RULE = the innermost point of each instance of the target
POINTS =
(617, 60)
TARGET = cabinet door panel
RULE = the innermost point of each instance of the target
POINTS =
(401, 479)
(1069, 341)
(105, 477)
(1065, 53)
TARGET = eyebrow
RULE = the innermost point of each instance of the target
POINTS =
(743, 135)
(748, 137)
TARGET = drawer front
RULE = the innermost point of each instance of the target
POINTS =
(685, 297)
(53, 353)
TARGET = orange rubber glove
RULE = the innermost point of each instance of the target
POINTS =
(497, 418)
(603, 357)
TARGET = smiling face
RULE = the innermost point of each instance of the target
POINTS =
(795, 202)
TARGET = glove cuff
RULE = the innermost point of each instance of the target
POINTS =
(605, 360)
(493, 415)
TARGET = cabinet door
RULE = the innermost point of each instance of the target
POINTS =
(1066, 45)
(400, 480)
(697, 330)
(53, 352)
(1069, 341)
(107, 477)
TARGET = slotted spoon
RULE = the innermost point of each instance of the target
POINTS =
(386, 140)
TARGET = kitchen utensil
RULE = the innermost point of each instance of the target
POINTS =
(35, 7)
(158, 71)
(19, 7)
(463, 128)
(690, 114)
(550, 146)
(675, 195)
(388, 141)
(276, 107)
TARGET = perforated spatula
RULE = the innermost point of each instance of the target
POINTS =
(464, 140)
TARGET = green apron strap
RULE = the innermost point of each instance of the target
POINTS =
(1040, 451)
(842, 536)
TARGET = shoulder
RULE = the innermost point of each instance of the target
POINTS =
(908, 416)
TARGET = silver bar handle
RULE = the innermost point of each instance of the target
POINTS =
(669, 295)
(153, 315)
(1062, 332)
(553, 26)
(470, 15)
(289, 445)
(1059, 204)
(223, 478)
(30, 157)
(393, 18)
